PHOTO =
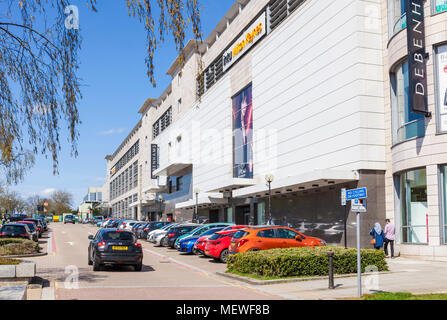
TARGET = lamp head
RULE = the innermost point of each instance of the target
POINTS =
(269, 178)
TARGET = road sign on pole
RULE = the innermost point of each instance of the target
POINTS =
(343, 196)
(360, 193)
(358, 205)
(359, 261)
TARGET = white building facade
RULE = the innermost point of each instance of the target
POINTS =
(300, 91)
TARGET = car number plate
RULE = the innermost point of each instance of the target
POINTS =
(119, 248)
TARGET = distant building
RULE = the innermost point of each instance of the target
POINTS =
(95, 198)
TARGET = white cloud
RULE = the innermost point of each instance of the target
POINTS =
(47, 192)
(112, 131)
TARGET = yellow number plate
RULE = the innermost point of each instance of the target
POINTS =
(119, 248)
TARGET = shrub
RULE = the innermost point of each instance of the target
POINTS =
(4, 261)
(12, 247)
(296, 262)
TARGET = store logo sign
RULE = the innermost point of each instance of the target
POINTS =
(249, 37)
(417, 56)
(154, 159)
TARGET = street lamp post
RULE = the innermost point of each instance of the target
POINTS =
(160, 200)
(269, 179)
(196, 209)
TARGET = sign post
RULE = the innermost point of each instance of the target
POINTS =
(358, 205)
(345, 222)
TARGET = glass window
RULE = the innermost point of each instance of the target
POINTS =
(286, 234)
(441, 86)
(444, 196)
(261, 213)
(406, 124)
(229, 214)
(397, 16)
(267, 233)
(413, 206)
(439, 6)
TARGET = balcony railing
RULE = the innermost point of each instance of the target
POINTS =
(400, 24)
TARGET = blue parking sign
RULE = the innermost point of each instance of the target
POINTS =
(360, 193)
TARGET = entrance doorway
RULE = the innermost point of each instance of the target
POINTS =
(214, 216)
(243, 215)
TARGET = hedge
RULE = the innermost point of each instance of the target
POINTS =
(16, 246)
(298, 262)
(5, 261)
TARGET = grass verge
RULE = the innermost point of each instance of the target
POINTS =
(405, 296)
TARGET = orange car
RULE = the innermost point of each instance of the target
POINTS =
(270, 237)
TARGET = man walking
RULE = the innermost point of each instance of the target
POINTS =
(389, 237)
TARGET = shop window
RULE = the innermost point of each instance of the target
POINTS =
(444, 201)
(439, 6)
(441, 88)
(413, 206)
(261, 213)
(397, 16)
(406, 124)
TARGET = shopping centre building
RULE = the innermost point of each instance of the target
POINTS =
(297, 100)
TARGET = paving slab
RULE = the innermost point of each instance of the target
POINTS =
(17, 292)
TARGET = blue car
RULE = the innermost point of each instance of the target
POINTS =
(201, 229)
(187, 244)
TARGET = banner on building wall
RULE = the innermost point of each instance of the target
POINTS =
(417, 66)
(243, 134)
(154, 159)
(441, 63)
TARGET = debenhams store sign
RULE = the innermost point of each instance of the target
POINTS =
(248, 38)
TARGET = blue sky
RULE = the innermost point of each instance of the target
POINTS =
(115, 86)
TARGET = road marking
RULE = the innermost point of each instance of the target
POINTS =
(154, 286)
(211, 275)
(70, 243)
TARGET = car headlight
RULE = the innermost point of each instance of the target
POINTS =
(323, 243)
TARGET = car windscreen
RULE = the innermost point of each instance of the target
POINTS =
(15, 229)
(211, 231)
(216, 236)
(240, 234)
(115, 235)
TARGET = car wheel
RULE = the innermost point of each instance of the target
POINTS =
(253, 250)
(96, 265)
(90, 262)
(195, 251)
(224, 256)
(138, 267)
(164, 242)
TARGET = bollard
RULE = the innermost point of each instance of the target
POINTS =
(331, 270)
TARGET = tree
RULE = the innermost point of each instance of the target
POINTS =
(12, 203)
(60, 202)
(39, 86)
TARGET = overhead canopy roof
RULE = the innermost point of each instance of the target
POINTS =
(309, 180)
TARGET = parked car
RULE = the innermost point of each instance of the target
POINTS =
(69, 219)
(155, 236)
(15, 230)
(216, 246)
(99, 221)
(33, 229)
(176, 232)
(44, 223)
(136, 226)
(199, 246)
(18, 217)
(187, 243)
(202, 229)
(270, 237)
(114, 247)
(149, 227)
(38, 224)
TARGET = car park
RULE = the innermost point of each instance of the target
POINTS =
(114, 247)
(217, 245)
(15, 230)
(201, 229)
(187, 243)
(151, 226)
(38, 224)
(155, 236)
(270, 237)
(174, 233)
(32, 228)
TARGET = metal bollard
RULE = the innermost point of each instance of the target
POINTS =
(331, 270)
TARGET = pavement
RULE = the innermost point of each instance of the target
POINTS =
(169, 275)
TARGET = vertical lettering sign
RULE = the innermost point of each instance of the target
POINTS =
(416, 56)
(154, 159)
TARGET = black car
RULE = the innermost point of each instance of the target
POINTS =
(69, 219)
(38, 224)
(16, 218)
(114, 247)
(15, 230)
(176, 232)
(151, 226)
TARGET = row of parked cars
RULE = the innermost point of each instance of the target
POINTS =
(215, 240)
(21, 226)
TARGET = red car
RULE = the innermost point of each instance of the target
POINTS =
(199, 246)
(217, 245)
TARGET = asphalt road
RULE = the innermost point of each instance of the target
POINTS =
(166, 274)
